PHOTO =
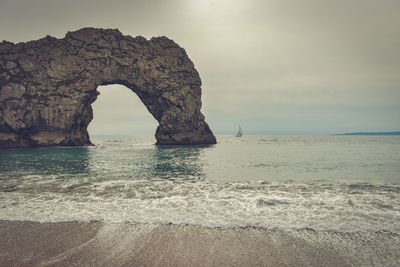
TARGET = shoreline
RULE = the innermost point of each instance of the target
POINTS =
(25, 243)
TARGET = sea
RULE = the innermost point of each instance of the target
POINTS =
(320, 183)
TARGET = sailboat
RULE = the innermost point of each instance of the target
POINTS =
(239, 134)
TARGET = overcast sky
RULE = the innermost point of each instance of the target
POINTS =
(273, 66)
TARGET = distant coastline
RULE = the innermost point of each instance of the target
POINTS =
(371, 133)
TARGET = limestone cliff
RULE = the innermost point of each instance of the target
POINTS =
(47, 87)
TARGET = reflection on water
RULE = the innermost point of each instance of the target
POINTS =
(133, 160)
(160, 162)
(63, 160)
(152, 163)
(177, 162)
(267, 159)
(41, 169)
(74, 169)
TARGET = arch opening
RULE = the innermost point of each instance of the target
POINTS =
(119, 111)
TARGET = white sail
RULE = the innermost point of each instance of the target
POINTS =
(239, 134)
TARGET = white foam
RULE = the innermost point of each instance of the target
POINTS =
(276, 205)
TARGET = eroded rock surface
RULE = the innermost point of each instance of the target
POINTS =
(47, 87)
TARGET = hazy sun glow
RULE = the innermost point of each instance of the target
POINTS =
(274, 66)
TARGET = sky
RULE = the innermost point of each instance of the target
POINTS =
(272, 66)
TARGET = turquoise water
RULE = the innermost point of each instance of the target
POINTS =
(327, 183)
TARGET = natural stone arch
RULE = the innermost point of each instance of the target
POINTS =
(47, 87)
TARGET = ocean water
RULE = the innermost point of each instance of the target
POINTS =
(324, 183)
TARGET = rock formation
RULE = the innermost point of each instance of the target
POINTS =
(47, 87)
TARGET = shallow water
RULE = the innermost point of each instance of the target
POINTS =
(326, 183)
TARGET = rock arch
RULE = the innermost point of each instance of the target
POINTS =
(47, 87)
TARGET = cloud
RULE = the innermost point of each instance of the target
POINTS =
(261, 59)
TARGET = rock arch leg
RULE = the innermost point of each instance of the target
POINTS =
(180, 120)
(47, 87)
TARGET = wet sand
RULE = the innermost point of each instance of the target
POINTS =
(126, 244)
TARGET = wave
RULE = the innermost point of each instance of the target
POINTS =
(321, 206)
